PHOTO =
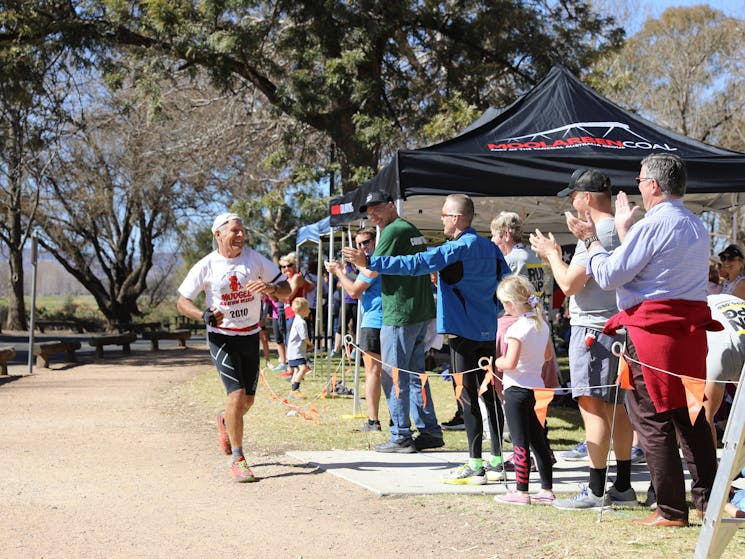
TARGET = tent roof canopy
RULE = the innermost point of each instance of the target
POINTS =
(521, 155)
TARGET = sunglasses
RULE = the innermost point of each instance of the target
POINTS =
(364, 243)
(728, 257)
(286, 265)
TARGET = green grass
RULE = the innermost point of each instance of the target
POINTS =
(270, 424)
(542, 532)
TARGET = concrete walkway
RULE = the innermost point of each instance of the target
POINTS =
(422, 473)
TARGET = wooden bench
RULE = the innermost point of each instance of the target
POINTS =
(6, 354)
(123, 340)
(180, 335)
(138, 327)
(42, 351)
(78, 325)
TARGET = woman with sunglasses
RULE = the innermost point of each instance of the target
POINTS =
(731, 270)
(300, 288)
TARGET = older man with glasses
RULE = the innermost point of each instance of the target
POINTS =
(660, 273)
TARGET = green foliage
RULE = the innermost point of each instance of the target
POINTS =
(367, 76)
(272, 219)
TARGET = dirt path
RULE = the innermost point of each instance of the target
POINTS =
(98, 461)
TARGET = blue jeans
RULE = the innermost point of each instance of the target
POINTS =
(403, 347)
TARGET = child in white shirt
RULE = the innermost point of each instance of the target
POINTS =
(298, 344)
(528, 347)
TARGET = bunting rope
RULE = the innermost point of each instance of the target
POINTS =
(309, 413)
(619, 351)
(694, 387)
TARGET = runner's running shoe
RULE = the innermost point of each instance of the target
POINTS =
(241, 472)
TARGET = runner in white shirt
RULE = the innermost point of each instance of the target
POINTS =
(233, 278)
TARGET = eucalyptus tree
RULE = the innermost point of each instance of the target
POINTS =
(684, 70)
(34, 87)
(118, 187)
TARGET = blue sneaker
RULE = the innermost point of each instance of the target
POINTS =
(579, 452)
(585, 499)
(280, 367)
(637, 455)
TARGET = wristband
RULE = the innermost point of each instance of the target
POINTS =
(209, 317)
(589, 240)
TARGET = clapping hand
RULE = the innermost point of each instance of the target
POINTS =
(543, 246)
(581, 228)
(625, 213)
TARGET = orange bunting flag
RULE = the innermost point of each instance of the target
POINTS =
(314, 413)
(423, 378)
(349, 355)
(624, 374)
(458, 379)
(543, 397)
(487, 381)
(694, 396)
(394, 374)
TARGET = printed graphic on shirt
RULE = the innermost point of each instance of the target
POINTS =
(236, 300)
(536, 276)
(734, 313)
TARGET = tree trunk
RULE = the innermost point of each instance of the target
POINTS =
(16, 307)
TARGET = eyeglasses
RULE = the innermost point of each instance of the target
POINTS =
(364, 243)
(640, 180)
(443, 214)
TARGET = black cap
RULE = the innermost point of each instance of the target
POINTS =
(375, 197)
(586, 180)
(732, 250)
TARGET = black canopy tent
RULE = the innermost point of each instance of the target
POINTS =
(519, 157)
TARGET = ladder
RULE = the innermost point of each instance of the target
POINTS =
(716, 531)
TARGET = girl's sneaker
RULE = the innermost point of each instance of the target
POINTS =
(513, 497)
(542, 498)
(464, 475)
(494, 473)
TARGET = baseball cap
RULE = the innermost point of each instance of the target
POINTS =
(731, 250)
(586, 180)
(222, 219)
(376, 197)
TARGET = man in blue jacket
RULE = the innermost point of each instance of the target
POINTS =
(468, 267)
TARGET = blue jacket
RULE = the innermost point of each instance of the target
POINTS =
(469, 269)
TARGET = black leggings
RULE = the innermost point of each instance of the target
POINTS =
(527, 433)
(464, 356)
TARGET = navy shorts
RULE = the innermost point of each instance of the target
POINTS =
(237, 360)
(297, 362)
(369, 341)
